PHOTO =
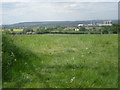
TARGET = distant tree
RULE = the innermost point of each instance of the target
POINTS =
(27, 30)
(38, 30)
(83, 29)
(100, 30)
(111, 29)
(115, 28)
(11, 29)
(105, 30)
(94, 29)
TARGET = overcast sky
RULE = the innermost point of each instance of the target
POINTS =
(15, 11)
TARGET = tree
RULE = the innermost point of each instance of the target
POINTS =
(11, 30)
(105, 30)
(27, 30)
(83, 29)
(115, 28)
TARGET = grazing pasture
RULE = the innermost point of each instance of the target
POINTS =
(60, 61)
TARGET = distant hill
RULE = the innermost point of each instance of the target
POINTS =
(51, 23)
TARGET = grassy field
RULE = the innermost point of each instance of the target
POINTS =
(16, 30)
(61, 61)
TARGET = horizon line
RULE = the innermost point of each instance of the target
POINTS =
(56, 21)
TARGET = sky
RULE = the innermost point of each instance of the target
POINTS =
(15, 11)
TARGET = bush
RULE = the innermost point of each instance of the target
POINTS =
(27, 30)
(8, 56)
(14, 59)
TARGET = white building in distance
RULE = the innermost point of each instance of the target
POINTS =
(80, 24)
(106, 23)
(76, 29)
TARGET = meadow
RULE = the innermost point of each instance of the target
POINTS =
(16, 30)
(60, 61)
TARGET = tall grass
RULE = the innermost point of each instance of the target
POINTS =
(60, 61)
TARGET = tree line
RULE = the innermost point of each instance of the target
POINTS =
(114, 29)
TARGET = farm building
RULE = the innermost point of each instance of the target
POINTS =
(80, 24)
(76, 29)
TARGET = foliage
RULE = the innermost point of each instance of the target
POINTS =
(115, 28)
(14, 60)
(82, 29)
(110, 29)
(27, 30)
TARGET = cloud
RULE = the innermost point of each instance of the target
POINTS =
(60, 1)
(94, 0)
(0, 13)
(14, 12)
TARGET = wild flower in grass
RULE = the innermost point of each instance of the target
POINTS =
(27, 77)
(42, 61)
(36, 69)
(30, 80)
(73, 58)
(25, 63)
(20, 71)
(72, 79)
(67, 60)
(73, 69)
(63, 51)
(86, 48)
(33, 65)
(14, 59)
(89, 52)
(23, 77)
(12, 54)
(82, 55)
(8, 63)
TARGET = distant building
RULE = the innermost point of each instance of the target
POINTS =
(90, 25)
(106, 23)
(76, 29)
(80, 24)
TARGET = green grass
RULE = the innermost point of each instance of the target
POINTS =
(18, 30)
(63, 61)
